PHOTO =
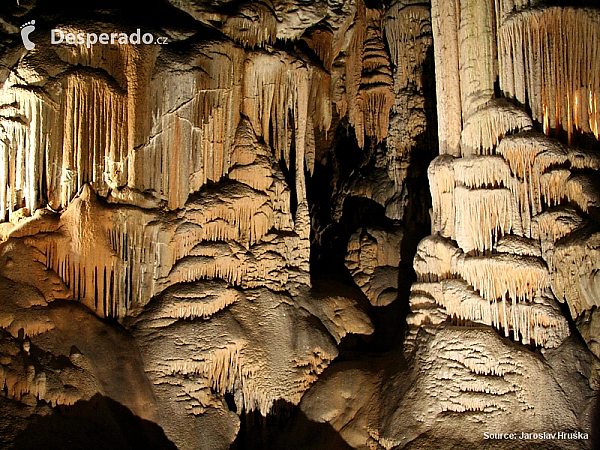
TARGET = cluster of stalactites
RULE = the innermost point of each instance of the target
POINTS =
(500, 275)
(224, 369)
(405, 26)
(369, 82)
(542, 168)
(478, 199)
(123, 123)
(128, 131)
(539, 322)
(508, 291)
(485, 128)
(559, 47)
(473, 200)
(286, 100)
(108, 258)
(51, 147)
(254, 25)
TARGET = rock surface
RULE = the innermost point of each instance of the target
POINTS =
(375, 223)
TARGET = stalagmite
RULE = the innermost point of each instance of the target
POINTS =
(434, 258)
(231, 352)
(442, 184)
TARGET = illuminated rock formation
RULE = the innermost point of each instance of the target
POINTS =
(514, 222)
(192, 233)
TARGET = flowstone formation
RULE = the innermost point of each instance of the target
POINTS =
(194, 230)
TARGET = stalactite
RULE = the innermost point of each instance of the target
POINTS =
(233, 233)
(353, 70)
(370, 116)
(189, 269)
(482, 216)
(109, 133)
(484, 129)
(557, 45)
(404, 27)
(554, 224)
(78, 138)
(195, 114)
(320, 40)
(539, 320)
(131, 66)
(494, 276)
(222, 368)
(253, 25)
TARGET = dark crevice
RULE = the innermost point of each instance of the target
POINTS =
(285, 427)
(100, 423)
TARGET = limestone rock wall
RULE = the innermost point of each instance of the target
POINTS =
(197, 230)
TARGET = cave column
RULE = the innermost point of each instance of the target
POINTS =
(445, 17)
(302, 225)
(477, 54)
